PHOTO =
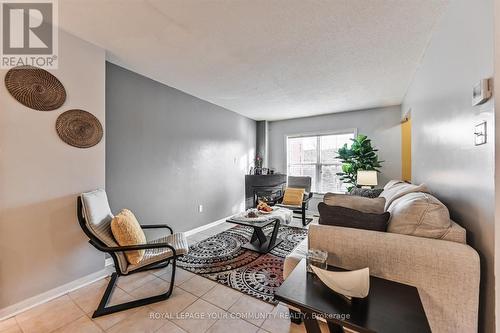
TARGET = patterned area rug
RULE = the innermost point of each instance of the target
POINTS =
(221, 258)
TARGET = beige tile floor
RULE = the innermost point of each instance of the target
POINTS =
(197, 305)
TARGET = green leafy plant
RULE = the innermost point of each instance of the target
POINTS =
(360, 156)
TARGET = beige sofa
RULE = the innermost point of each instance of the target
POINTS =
(444, 268)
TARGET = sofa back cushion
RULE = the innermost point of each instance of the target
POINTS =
(455, 233)
(395, 189)
(419, 214)
(365, 205)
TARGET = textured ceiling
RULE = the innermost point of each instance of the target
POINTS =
(265, 59)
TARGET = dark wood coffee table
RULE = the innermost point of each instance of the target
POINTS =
(259, 241)
(389, 307)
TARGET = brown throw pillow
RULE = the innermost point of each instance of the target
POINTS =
(365, 205)
(127, 231)
(293, 196)
(350, 218)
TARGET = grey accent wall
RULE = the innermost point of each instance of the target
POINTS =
(168, 152)
(443, 151)
(382, 125)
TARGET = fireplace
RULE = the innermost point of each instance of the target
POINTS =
(268, 194)
(263, 187)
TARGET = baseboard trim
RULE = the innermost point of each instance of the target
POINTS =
(108, 262)
(31, 302)
(206, 226)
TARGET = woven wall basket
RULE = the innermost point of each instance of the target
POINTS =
(79, 128)
(35, 88)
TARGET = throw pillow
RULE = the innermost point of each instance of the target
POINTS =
(419, 214)
(351, 218)
(396, 189)
(127, 231)
(366, 192)
(366, 205)
(293, 196)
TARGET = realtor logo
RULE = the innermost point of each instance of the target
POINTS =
(29, 33)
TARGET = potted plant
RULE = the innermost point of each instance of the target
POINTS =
(359, 156)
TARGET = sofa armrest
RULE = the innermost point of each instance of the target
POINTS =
(446, 273)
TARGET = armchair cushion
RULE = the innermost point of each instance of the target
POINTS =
(178, 242)
(98, 218)
(96, 210)
(127, 231)
(300, 182)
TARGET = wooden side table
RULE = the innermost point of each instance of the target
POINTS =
(389, 307)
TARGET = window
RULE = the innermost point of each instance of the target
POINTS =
(315, 156)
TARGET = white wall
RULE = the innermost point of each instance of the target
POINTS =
(381, 125)
(41, 243)
(460, 53)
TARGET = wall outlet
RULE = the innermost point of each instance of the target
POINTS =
(200, 208)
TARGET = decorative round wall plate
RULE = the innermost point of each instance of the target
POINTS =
(79, 128)
(35, 88)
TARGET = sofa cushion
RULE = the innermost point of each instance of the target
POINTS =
(350, 218)
(392, 183)
(395, 189)
(419, 214)
(366, 205)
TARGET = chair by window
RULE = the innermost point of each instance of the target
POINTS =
(300, 182)
(94, 216)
